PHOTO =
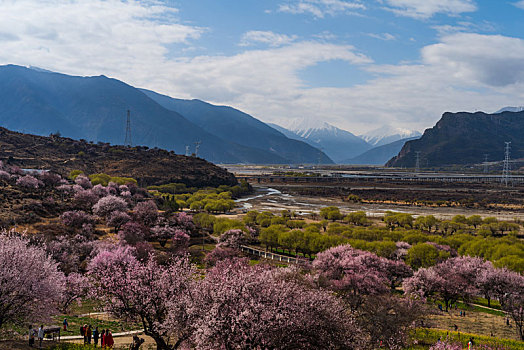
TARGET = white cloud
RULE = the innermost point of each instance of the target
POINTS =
(88, 37)
(463, 26)
(321, 8)
(266, 37)
(492, 60)
(423, 9)
(520, 4)
(129, 41)
(382, 36)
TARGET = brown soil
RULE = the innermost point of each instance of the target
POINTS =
(148, 166)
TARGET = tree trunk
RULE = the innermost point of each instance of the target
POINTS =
(160, 343)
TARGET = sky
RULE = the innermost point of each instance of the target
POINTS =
(356, 64)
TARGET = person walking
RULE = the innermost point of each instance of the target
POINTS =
(65, 324)
(103, 339)
(40, 335)
(96, 335)
(84, 333)
(109, 339)
(89, 333)
(31, 336)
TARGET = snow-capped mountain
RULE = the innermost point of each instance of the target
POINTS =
(387, 134)
(511, 109)
(338, 144)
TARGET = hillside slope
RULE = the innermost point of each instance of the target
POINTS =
(94, 108)
(231, 124)
(148, 166)
(464, 138)
(381, 154)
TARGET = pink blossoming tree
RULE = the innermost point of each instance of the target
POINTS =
(30, 283)
(141, 291)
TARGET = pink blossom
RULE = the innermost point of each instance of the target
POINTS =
(146, 212)
(4, 175)
(29, 181)
(85, 199)
(105, 206)
(83, 181)
(117, 219)
(100, 190)
(244, 307)
(180, 242)
(76, 287)
(31, 284)
(142, 291)
(76, 218)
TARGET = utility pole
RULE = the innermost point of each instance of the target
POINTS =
(506, 168)
(128, 141)
(486, 163)
(417, 161)
(188, 152)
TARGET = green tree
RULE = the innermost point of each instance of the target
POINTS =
(424, 255)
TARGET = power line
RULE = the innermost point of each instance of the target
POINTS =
(128, 141)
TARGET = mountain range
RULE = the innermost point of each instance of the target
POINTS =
(94, 108)
(346, 148)
(387, 134)
(379, 155)
(464, 138)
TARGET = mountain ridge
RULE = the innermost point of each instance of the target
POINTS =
(387, 134)
(229, 123)
(94, 108)
(337, 143)
(463, 138)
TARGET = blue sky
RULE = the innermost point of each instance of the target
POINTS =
(357, 64)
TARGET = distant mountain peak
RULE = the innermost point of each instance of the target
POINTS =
(510, 109)
(299, 125)
(337, 143)
(387, 134)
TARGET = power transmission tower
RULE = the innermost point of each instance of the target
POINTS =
(506, 178)
(197, 147)
(486, 163)
(188, 152)
(417, 161)
(128, 141)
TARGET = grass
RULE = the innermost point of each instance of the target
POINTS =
(484, 302)
(423, 338)
(477, 308)
(101, 322)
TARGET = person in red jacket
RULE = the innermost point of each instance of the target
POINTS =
(109, 340)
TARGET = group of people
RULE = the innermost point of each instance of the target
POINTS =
(105, 337)
(38, 333)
